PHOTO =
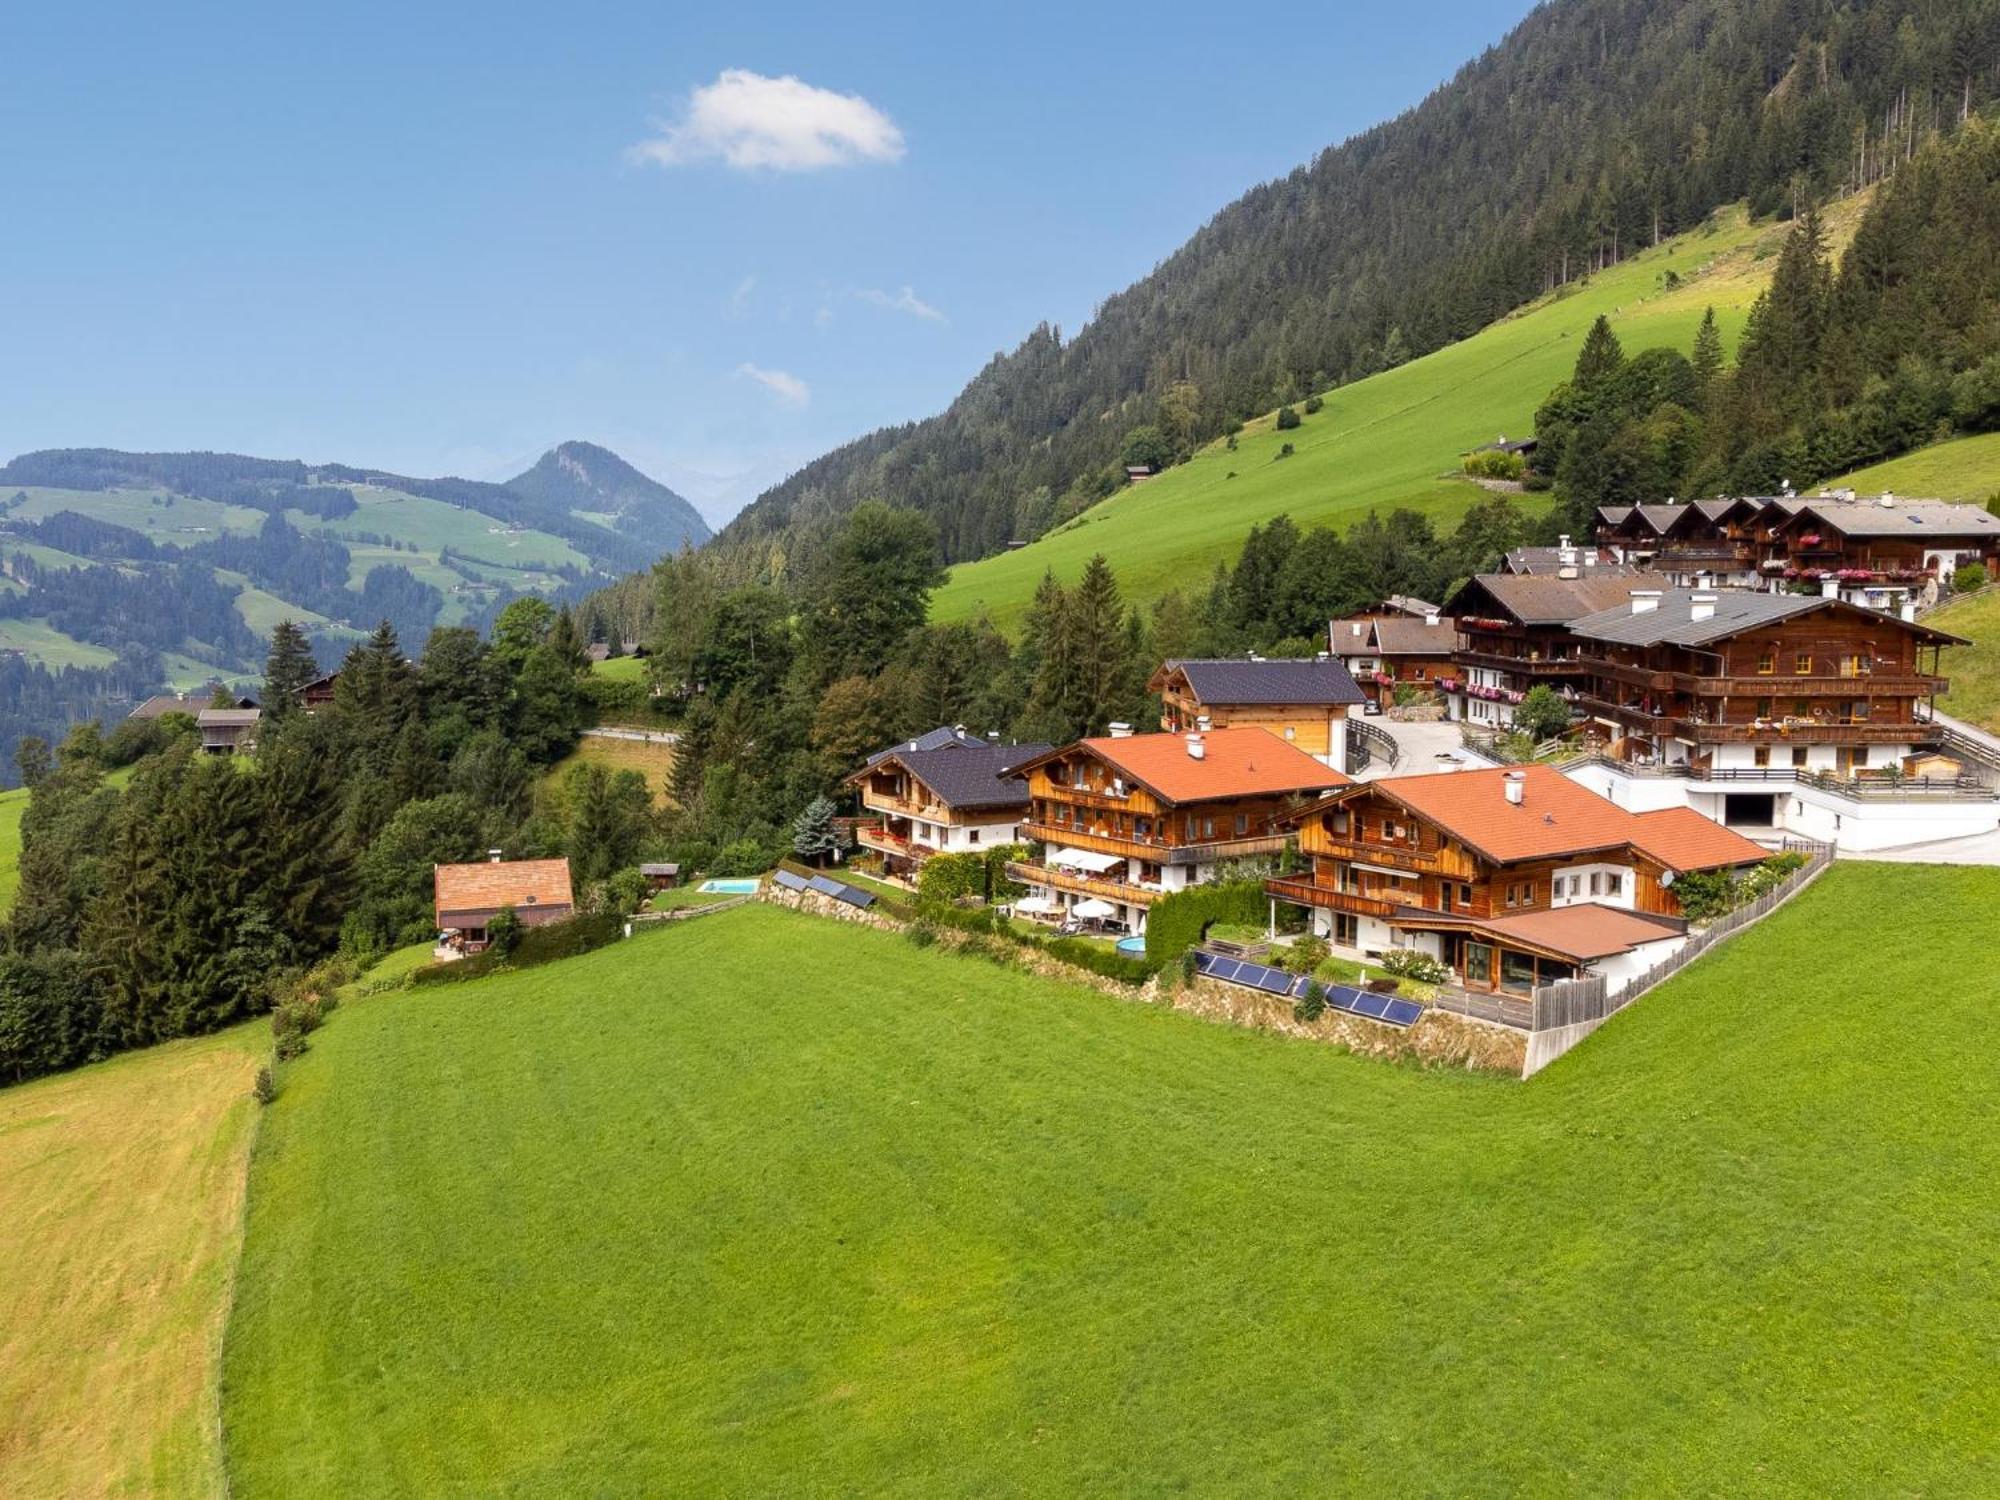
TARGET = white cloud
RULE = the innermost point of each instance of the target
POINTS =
(739, 300)
(784, 124)
(904, 301)
(786, 386)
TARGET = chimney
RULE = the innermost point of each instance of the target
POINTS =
(1203, 723)
(1888, 500)
(1430, 617)
(1908, 612)
(1829, 588)
(1120, 730)
(1645, 601)
(493, 856)
(1701, 607)
(1195, 748)
(1516, 785)
(1563, 541)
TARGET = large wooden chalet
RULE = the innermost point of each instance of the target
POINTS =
(1126, 819)
(1385, 650)
(942, 791)
(1735, 680)
(1876, 552)
(1511, 878)
(1303, 702)
(1514, 634)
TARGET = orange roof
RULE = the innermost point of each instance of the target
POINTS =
(1246, 762)
(1682, 839)
(497, 883)
(1557, 816)
(1582, 932)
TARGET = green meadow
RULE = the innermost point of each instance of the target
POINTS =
(1965, 468)
(1392, 441)
(762, 1204)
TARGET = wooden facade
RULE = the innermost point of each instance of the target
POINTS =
(1080, 801)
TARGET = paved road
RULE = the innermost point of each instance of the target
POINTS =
(647, 736)
(1420, 746)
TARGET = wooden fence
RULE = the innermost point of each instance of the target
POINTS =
(1570, 1009)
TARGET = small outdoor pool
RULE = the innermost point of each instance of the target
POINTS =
(1134, 946)
(747, 886)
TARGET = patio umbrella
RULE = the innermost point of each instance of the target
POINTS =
(1038, 905)
(1092, 909)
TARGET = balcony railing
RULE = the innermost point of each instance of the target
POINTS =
(1527, 666)
(1152, 846)
(1055, 877)
(1861, 785)
(882, 841)
(1311, 893)
(907, 807)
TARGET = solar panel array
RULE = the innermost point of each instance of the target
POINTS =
(1386, 1008)
(788, 880)
(824, 885)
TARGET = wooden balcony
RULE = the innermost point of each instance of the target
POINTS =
(1710, 555)
(882, 841)
(1054, 877)
(1397, 856)
(904, 807)
(1525, 666)
(1154, 848)
(1311, 893)
(1801, 732)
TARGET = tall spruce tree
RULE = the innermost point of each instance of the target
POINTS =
(288, 668)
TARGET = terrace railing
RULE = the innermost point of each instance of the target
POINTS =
(1368, 746)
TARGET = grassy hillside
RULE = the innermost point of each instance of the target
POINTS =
(652, 760)
(1392, 440)
(703, 1223)
(12, 805)
(1965, 468)
(121, 1190)
(1974, 670)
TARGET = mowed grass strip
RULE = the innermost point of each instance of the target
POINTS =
(13, 805)
(120, 1212)
(762, 1204)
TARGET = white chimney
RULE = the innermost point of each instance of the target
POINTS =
(493, 856)
(1645, 601)
(1203, 723)
(1195, 748)
(1430, 617)
(1516, 784)
(1563, 541)
(1829, 588)
(1701, 607)
(1909, 612)
(1120, 730)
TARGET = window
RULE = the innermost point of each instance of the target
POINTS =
(1337, 821)
(1521, 893)
(1614, 883)
(1465, 895)
(1242, 824)
(972, 835)
(1798, 757)
(1763, 708)
(1208, 828)
(1193, 828)
(1596, 882)
(1761, 756)
(1767, 663)
(1291, 733)
(1802, 664)
(1859, 710)
(1801, 709)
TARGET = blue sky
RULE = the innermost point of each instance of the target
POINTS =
(439, 237)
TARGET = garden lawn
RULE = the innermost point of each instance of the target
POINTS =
(1394, 440)
(766, 1204)
(12, 805)
(1974, 670)
(121, 1189)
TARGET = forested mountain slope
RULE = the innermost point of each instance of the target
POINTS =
(595, 484)
(1594, 130)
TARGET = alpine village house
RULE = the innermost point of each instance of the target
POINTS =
(1126, 818)
(1512, 878)
(1303, 702)
(943, 791)
(468, 897)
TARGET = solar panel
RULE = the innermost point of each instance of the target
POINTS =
(1402, 1013)
(824, 886)
(1277, 981)
(789, 881)
(855, 896)
(1225, 968)
(1371, 1006)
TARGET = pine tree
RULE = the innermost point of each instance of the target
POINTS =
(288, 669)
(1707, 357)
(1600, 359)
(815, 836)
(567, 642)
(1102, 664)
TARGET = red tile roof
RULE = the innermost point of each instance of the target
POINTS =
(1682, 839)
(488, 887)
(1246, 762)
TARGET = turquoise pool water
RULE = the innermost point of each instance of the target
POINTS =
(733, 887)
(1135, 946)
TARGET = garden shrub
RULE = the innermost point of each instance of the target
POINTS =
(947, 878)
(1964, 580)
(1313, 405)
(1408, 963)
(1286, 451)
(264, 1090)
(625, 698)
(1704, 895)
(537, 945)
(503, 933)
(1304, 956)
(1105, 961)
(1287, 419)
(1312, 1004)
(1495, 465)
(623, 893)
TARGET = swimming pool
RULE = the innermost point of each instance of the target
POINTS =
(733, 887)
(1136, 946)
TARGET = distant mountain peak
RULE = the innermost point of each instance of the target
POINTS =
(592, 481)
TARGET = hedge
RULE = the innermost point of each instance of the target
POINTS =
(538, 945)
(1181, 920)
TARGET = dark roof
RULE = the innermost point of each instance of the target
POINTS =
(930, 739)
(161, 704)
(1403, 635)
(654, 867)
(1550, 560)
(1538, 599)
(227, 718)
(1735, 611)
(970, 774)
(1290, 680)
(1938, 518)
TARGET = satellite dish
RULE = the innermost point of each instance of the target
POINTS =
(1667, 879)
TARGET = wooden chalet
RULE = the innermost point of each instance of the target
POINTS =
(1737, 680)
(1385, 651)
(943, 791)
(1514, 634)
(318, 693)
(1872, 551)
(228, 731)
(1303, 702)
(1128, 818)
(1511, 878)
(161, 704)
(468, 897)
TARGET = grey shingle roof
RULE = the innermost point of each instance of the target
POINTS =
(1222, 680)
(1931, 518)
(930, 739)
(1736, 610)
(1550, 560)
(972, 775)
(1539, 599)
